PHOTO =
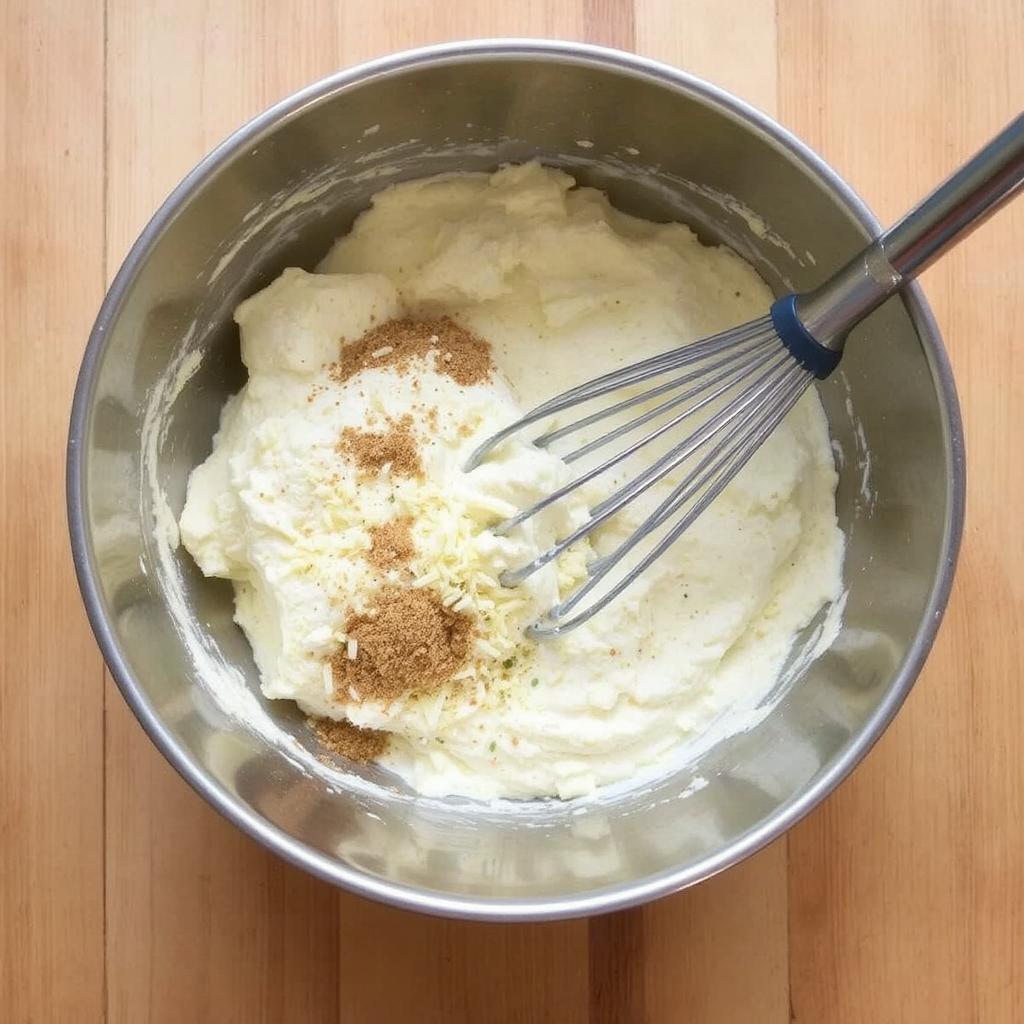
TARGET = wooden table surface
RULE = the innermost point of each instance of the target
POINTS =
(123, 897)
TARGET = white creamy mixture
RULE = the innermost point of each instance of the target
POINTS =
(564, 287)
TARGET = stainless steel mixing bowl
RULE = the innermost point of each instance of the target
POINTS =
(277, 193)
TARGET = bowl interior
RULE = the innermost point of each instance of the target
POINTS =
(167, 356)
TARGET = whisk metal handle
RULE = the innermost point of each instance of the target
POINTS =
(973, 193)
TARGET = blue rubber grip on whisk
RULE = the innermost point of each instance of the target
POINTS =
(808, 352)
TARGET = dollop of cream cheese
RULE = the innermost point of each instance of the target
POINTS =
(564, 287)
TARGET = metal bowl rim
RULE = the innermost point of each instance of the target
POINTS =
(626, 894)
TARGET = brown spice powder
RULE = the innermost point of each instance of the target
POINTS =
(391, 544)
(372, 451)
(461, 355)
(349, 740)
(407, 641)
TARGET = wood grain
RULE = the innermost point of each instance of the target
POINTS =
(51, 681)
(459, 970)
(202, 923)
(398, 966)
(680, 956)
(735, 51)
(123, 897)
(907, 887)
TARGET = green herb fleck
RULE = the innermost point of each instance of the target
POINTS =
(493, 746)
(508, 662)
(534, 681)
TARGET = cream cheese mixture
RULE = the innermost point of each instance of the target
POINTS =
(365, 575)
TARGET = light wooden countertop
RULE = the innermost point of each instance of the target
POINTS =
(124, 897)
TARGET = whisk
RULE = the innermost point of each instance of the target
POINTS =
(736, 387)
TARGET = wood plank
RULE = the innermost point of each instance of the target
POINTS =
(399, 966)
(736, 51)
(717, 952)
(51, 680)
(906, 886)
(204, 925)
(370, 30)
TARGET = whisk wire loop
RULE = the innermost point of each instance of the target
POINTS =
(772, 366)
